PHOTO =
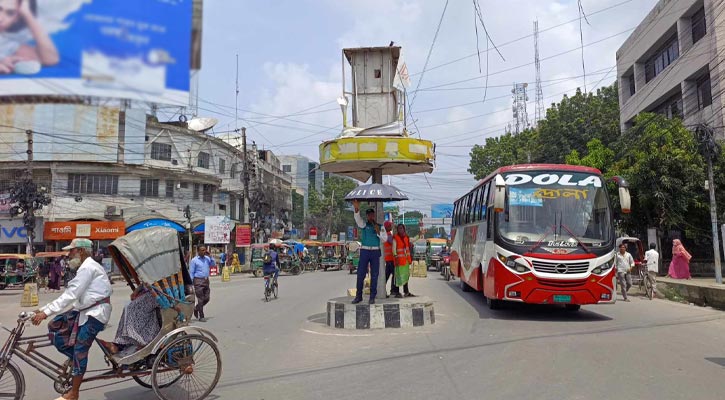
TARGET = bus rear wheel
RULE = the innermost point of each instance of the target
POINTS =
(464, 286)
(493, 304)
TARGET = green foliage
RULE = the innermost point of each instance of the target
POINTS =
(436, 230)
(504, 150)
(597, 156)
(298, 210)
(328, 211)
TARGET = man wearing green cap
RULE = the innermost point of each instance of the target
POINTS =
(90, 295)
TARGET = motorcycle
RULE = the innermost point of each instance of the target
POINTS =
(446, 267)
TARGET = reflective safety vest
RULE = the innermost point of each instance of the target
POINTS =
(388, 250)
(402, 251)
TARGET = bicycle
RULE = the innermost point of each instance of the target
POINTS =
(271, 288)
(646, 285)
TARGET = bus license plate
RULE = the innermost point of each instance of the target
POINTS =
(562, 298)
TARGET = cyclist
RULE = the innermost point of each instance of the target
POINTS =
(271, 262)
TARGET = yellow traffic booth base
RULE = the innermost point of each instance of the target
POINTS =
(30, 295)
(419, 269)
(366, 287)
(225, 274)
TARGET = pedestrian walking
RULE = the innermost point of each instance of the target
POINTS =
(403, 258)
(652, 258)
(389, 258)
(223, 258)
(680, 264)
(43, 272)
(199, 271)
(55, 274)
(372, 236)
(624, 263)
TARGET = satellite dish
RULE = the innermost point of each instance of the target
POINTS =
(202, 124)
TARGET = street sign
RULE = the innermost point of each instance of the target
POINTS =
(334, 237)
(407, 221)
(313, 233)
(343, 236)
(436, 221)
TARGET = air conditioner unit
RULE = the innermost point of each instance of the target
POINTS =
(113, 211)
(174, 162)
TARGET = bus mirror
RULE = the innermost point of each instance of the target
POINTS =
(625, 201)
(499, 196)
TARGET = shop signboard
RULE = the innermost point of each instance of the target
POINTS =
(12, 231)
(243, 235)
(94, 230)
(217, 229)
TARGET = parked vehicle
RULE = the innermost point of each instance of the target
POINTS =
(353, 256)
(16, 270)
(333, 256)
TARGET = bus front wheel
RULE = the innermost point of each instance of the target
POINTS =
(493, 304)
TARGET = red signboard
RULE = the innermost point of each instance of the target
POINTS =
(313, 233)
(244, 235)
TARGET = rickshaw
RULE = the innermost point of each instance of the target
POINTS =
(353, 256)
(258, 250)
(288, 262)
(333, 255)
(311, 262)
(182, 361)
(10, 276)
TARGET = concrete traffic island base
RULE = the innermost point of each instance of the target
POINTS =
(385, 313)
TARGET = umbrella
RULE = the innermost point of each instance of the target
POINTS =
(376, 192)
(276, 242)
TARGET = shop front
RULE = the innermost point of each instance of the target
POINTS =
(102, 233)
(14, 236)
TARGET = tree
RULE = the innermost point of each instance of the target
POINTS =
(412, 229)
(298, 210)
(26, 197)
(328, 211)
(597, 156)
(499, 151)
(660, 159)
(575, 121)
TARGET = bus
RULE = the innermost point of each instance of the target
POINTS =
(538, 233)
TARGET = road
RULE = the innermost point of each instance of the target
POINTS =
(282, 349)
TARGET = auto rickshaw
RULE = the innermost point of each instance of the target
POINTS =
(353, 256)
(13, 276)
(182, 361)
(312, 260)
(288, 261)
(433, 257)
(333, 255)
(256, 263)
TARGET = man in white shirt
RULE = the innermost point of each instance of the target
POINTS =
(652, 257)
(89, 293)
(624, 263)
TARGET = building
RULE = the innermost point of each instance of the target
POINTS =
(671, 64)
(272, 195)
(110, 171)
(305, 174)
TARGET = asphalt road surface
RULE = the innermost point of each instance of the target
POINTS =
(283, 349)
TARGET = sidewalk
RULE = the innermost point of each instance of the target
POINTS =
(701, 291)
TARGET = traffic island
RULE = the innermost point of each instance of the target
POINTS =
(385, 313)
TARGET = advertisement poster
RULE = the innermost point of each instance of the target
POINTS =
(217, 230)
(524, 198)
(441, 210)
(132, 49)
(243, 235)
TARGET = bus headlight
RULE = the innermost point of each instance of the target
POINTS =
(516, 263)
(602, 268)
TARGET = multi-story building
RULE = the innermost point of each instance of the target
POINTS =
(305, 174)
(110, 171)
(671, 64)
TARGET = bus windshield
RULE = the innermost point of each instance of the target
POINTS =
(552, 211)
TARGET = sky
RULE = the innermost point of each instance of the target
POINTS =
(290, 69)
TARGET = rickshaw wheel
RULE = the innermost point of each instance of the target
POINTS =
(257, 272)
(188, 367)
(12, 382)
(61, 388)
(145, 381)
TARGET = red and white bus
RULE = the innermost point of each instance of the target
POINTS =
(537, 233)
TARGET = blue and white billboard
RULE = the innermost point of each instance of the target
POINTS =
(131, 49)
(441, 210)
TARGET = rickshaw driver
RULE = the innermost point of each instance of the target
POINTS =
(90, 294)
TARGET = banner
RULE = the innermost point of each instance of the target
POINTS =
(243, 235)
(217, 229)
(131, 49)
(441, 210)
(94, 230)
(12, 231)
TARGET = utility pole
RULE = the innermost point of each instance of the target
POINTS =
(710, 148)
(332, 203)
(187, 214)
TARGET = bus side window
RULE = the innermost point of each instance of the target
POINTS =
(482, 203)
(490, 214)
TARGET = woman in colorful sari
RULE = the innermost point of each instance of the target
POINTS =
(403, 259)
(680, 264)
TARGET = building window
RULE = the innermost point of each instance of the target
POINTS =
(671, 107)
(184, 185)
(665, 56)
(95, 184)
(699, 27)
(169, 188)
(704, 92)
(202, 160)
(286, 168)
(150, 187)
(161, 151)
(233, 171)
(196, 191)
(223, 207)
(208, 193)
(222, 165)
(630, 81)
(232, 207)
